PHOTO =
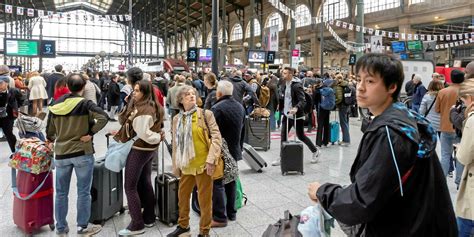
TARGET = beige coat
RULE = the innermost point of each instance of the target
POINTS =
(465, 155)
(214, 143)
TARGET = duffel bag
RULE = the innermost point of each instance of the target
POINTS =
(32, 156)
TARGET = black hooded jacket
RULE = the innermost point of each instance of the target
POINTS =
(241, 88)
(406, 198)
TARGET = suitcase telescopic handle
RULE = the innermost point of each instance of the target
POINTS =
(287, 130)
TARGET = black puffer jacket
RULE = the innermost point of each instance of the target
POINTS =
(375, 201)
(230, 117)
(241, 88)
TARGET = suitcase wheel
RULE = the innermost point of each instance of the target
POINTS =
(52, 227)
(283, 173)
(260, 171)
(122, 210)
(302, 173)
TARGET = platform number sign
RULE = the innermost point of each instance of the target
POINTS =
(270, 57)
(48, 48)
(192, 55)
(352, 59)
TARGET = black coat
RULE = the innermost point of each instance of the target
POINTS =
(210, 99)
(374, 199)
(113, 94)
(230, 117)
(51, 82)
(241, 88)
(297, 96)
(11, 100)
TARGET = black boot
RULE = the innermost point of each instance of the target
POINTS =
(179, 231)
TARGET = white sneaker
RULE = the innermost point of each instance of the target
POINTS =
(315, 158)
(89, 231)
(276, 162)
(127, 232)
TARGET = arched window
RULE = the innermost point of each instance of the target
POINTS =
(237, 33)
(379, 5)
(256, 29)
(335, 9)
(274, 19)
(303, 16)
(199, 41)
(192, 42)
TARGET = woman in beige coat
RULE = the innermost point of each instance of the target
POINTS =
(465, 155)
(38, 94)
(196, 158)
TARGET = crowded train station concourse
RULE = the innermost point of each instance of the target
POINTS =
(237, 118)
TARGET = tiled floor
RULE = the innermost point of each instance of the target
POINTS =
(269, 193)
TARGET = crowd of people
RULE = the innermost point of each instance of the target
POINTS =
(394, 177)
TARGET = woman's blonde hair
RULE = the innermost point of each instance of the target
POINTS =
(34, 74)
(211, 78)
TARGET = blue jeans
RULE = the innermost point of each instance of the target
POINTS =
(447, 140)
(272, 120)
(465, 227)
(83, 168)
(344, 122)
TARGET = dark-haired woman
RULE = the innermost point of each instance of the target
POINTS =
(143, 118)
(210, 81)
(60, 88)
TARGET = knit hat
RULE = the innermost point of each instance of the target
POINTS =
(467, 87)
(5, 79)
(4, 70)
(457, 76)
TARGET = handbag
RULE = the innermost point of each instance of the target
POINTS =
(260, 113)
(32, 156)
(219, 172)
(117, 153)
(231, 170)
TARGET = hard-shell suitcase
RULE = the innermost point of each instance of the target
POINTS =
(257, 133)
(291, 155)
(106, 192)
(38, 210)
(252, 158)
(334, 128)
(166, 192)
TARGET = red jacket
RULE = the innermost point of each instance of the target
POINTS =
(58, 92)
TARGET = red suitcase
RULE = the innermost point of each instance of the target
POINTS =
(30, 215)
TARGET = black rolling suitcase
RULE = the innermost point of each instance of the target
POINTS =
(252, 158)
(291, 155)
(257, 133)
(166, 192)
(106, 192)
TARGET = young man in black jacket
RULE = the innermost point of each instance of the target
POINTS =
(9, 101)
(397, 184)
(292, 102)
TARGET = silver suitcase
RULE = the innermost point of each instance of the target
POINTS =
(253, 159)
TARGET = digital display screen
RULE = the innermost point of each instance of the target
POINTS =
(256, 56)
(20, 47)
(271, 57)
(352, 59)
(205, 55)
(48, 48)
(415, 45)
(403, 56)
(192, 55)
(398, 46)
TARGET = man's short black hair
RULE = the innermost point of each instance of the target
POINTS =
(389, 68)
(134, 75)
(457, 76)
(290, 69)
(58, 68)
(75, 82)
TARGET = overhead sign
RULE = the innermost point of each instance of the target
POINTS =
(295, 53)
(295, 56)
(205, 55)
(192, 55)
(352, 59)
(271, 57)
(21, 47)
(48, 48)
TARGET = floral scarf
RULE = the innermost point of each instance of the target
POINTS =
(184, 138)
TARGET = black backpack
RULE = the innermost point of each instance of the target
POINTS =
(308, 106)
(105, 85)
(349, 95)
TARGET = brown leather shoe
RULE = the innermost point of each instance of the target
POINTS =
(215, 224)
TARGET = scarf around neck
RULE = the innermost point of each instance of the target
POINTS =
(184, 138)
